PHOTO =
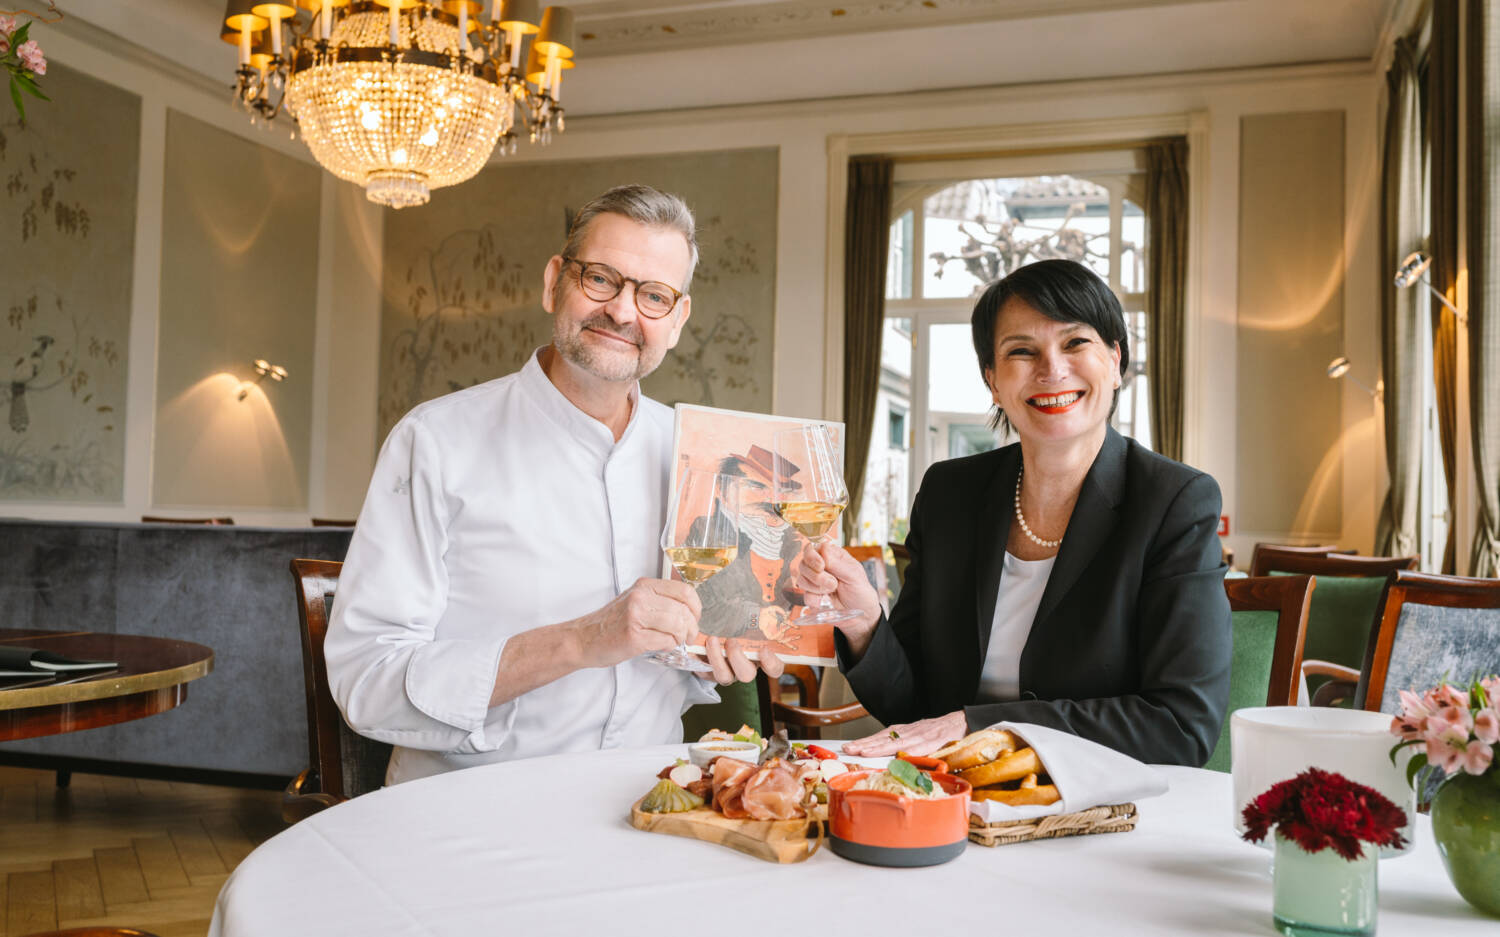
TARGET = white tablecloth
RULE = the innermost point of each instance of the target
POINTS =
(543, 847)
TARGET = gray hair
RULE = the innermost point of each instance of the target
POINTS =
(643, 205)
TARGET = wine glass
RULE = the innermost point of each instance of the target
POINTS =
(702, 537)
(811, 497)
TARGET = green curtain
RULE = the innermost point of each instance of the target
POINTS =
(1166, 208)
(867, 225)
(1442, 139)
(1403, 229)
(1483, 119)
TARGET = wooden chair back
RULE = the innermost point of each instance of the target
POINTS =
(210, 521)
(341, 763)
(1265, 556)
(1290, 598)
(95, 932)
(332, 522)
(1431, 627)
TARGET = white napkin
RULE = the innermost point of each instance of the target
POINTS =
(1086, 773)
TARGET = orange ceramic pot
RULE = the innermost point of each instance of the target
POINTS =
(881, 828)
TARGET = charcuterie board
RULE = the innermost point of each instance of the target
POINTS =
(772, 840)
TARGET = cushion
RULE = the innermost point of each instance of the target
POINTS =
(1250, 672)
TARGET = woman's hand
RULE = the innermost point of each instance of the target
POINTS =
(917, 738)
(831, 571)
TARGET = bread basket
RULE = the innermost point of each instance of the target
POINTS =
(1111, 818)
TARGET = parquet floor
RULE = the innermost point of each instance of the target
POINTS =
(121, 851)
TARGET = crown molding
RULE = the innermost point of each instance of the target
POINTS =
(812, 108)
(617, 29)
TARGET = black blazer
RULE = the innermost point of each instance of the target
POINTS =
(1131, 643)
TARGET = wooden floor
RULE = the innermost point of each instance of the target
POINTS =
(121, 851)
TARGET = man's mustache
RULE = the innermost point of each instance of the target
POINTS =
(603, 323)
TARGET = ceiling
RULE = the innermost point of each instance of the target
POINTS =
(637, 55)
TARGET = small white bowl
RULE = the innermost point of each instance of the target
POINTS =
(701, 753)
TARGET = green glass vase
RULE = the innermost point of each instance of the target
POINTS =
(1322, 893)
(1466, 825)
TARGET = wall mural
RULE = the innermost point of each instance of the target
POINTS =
(463, 277)
(67, 182)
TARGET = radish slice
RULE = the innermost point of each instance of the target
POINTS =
(683, 775)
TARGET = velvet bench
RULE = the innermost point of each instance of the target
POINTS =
(227, 587)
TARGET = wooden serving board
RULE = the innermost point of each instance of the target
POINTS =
(772, 840)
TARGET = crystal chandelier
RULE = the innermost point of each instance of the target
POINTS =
(403, 96)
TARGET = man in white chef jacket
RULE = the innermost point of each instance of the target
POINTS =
(500, 592)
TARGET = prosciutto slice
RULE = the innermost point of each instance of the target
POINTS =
(729, 778)
(773, 793)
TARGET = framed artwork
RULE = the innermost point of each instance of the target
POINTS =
(752, 598)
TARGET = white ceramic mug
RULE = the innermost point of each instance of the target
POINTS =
(1268, 744)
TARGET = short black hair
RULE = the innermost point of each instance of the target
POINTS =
(1061, 290)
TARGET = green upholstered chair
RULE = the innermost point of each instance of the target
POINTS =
(739, 704)
(1344, 609)
(1431, 628)
(1269, 618)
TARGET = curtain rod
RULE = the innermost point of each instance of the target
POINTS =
(1027, 151)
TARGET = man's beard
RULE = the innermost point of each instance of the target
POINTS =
(602, 363)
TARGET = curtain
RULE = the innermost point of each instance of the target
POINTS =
(867, 225)
(1166, 209)
(1403, 224)
(1442, 137)
(1483, 117)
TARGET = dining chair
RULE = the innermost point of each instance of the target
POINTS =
(1268, 615)
(1264, 556)
(342, 763)
(209, 521)
(1344, 607)
(331, 522)
(1431, 628)
(902, 558)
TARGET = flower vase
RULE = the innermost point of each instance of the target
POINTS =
(1466, 825)
(1322, 893)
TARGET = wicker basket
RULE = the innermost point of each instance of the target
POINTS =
(1113, 818)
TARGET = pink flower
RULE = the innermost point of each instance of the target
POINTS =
(1492, 689)
(1476, 757)
(1446, 748)
(1446, 695)
(7, 25)
(1408, 730)
(1458, 717)
(1413, 707)
(1487, 725)
(31, 57)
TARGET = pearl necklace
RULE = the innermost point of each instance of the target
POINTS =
(1025, 527)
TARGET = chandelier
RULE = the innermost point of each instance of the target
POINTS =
(403, 96)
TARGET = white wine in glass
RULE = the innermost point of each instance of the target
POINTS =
(812, 498)
(701, 538)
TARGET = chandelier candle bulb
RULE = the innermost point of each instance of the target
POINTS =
(275, 32)
(463, 27)
(395, 9)
(244, 46)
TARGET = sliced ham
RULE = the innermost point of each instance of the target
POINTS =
(773, 793)
(729, 777)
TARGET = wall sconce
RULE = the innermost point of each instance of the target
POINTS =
(263, 370)
(1339, 367)
(1413, 270)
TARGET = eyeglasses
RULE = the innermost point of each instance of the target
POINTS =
(601, 283)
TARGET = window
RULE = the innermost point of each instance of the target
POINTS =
(949, 238)
(898, 429)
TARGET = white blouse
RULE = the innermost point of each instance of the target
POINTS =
(493, 511)
(1022, 583)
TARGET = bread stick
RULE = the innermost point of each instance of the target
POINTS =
(1012, 766)
(977, 748)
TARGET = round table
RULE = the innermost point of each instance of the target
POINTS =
(152, 678)
(543, 846)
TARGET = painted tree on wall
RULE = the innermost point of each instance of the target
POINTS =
(49, 348)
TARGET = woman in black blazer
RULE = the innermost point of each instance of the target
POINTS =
(1072, 580)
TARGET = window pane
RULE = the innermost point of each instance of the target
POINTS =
(981, 229)
(957, 400)
(1132, 249)
(899, 261)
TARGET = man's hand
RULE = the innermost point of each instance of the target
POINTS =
(652, 615)
(916, 738)
(732, 666)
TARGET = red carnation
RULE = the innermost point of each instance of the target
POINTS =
(1319, 810)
